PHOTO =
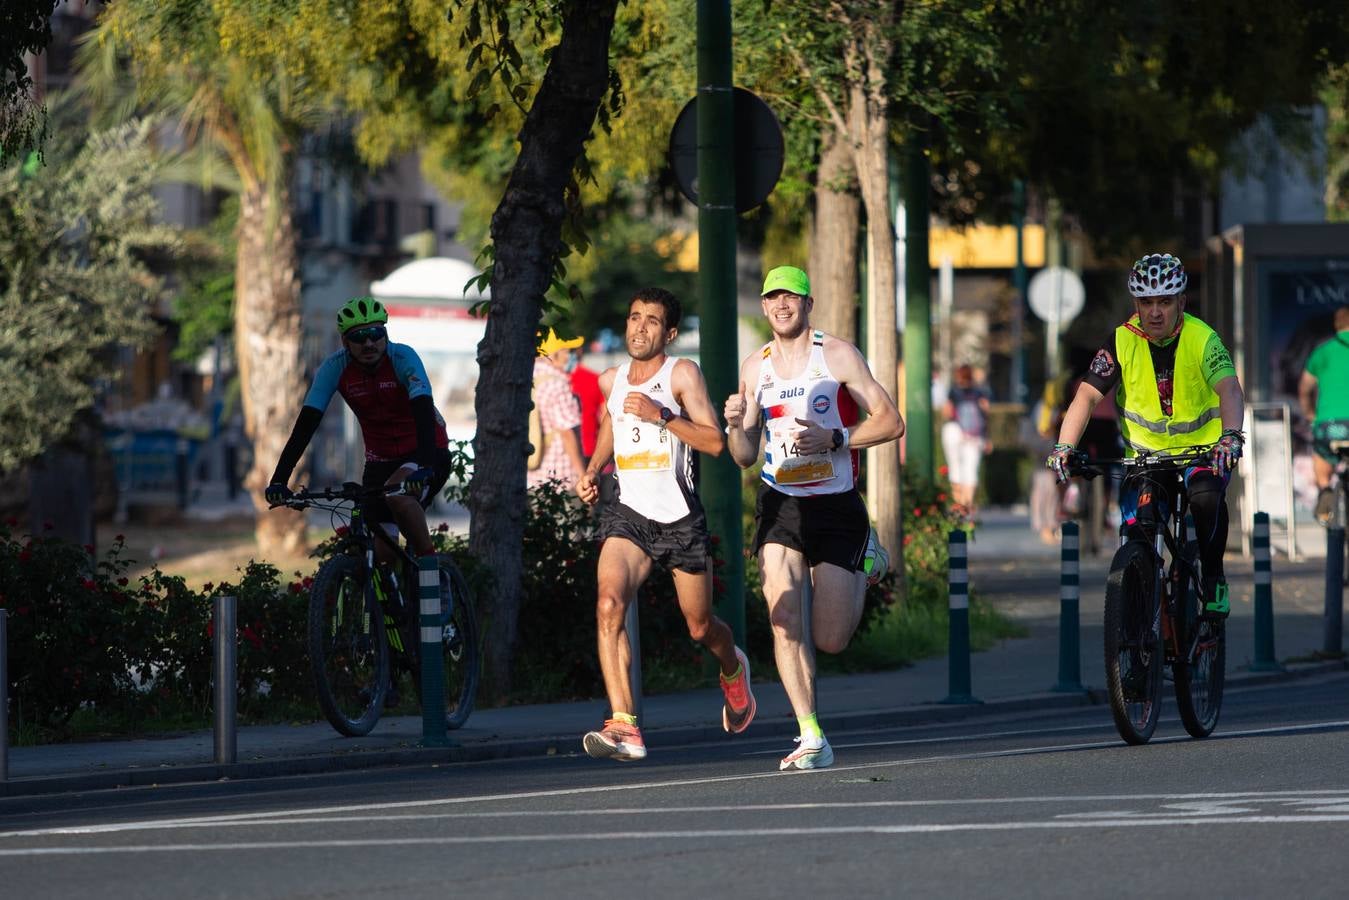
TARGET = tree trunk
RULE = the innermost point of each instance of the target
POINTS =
(868, 127)
(527, 234)
(267, 338)
(833, 242)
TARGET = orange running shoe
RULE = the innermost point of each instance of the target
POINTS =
(738, 711)
(617, 740)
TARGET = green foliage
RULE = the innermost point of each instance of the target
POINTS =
(204, 306)
(1335, 98)
(25, 27)
(75, 237)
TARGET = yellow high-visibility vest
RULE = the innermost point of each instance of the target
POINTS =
(1195, 417)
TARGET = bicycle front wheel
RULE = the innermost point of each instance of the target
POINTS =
(1200, 677)
(347, 647)
(1133, 642)
(460, 644)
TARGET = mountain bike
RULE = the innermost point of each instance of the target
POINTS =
(365, 624)
(1153, 599)
(1338, 514)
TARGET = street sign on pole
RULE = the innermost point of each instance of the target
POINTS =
(1056, 295)
(758, 150)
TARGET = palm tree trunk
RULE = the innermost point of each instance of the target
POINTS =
(527, 235)
(267, 328)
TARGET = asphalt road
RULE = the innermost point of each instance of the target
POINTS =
(1047, 804)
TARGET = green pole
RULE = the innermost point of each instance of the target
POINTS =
(720, 481)
(917, 316)
(1019, 302)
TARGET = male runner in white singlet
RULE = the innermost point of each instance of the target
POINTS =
(802, 391)
(657, 417)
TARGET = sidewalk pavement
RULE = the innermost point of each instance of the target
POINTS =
(1009, 567)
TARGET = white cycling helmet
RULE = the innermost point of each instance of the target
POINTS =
(1157, 275)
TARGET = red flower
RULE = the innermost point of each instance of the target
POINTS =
(715, 539)
(917, 512)
(208, 587)
(210, 628)
(908, 539)
(942, 470)
(88, 584)
(122, 581)
(121, 538)
(941, 498)
(341, 530)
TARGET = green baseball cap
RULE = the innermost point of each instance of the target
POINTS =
(786, 278)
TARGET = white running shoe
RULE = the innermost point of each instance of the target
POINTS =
(810, 753)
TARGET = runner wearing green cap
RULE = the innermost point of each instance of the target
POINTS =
(803, 391)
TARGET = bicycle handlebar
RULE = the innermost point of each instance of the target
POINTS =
(1082, 464)
(350, 491)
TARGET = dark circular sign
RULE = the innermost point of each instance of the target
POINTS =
(758, 150)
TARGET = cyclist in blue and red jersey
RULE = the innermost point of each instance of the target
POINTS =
(1175, 387)
(405, 442)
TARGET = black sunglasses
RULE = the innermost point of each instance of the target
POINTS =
(371, 335)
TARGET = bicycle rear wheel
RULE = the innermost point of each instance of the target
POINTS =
(347, 647)
(1200, 677)
(460, 643)
(1133, 642)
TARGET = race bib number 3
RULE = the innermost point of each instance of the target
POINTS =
(640, 446)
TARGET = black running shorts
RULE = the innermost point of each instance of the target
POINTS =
(377, 472)
(825, 528)
(682, 544)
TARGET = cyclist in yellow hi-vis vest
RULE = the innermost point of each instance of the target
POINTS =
(1175, 387)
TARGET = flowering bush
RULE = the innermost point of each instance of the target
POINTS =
(83, 636)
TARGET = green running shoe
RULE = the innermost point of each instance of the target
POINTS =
(1217, 606)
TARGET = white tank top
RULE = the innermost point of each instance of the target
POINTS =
(815, 396)
(656, 478)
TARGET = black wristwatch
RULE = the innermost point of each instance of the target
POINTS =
(838, 438)
(666, 415)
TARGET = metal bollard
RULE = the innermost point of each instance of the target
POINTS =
(4, 694)
(180, 474)
(958, 651)
(1334, 615)
(433, 652)
(632, 625)
(1070, 651)
(1264, 598)
(226, 681)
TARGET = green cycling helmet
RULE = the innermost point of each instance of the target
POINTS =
(361, 311)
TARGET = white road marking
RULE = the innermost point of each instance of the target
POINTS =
(691, 835)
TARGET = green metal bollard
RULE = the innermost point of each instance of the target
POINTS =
(958, 652)
(1070, 651)
(432, 652)
(1265, 660)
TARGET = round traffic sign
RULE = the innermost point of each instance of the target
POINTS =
(1056, 294)
(759, 150)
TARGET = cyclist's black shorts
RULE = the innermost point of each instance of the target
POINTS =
(825, 528)
(377, 472)
(682, 544)
(1323, 432)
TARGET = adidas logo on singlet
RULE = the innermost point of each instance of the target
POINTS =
(655, 387)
